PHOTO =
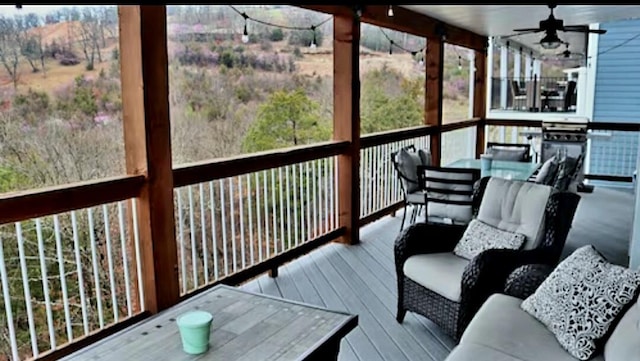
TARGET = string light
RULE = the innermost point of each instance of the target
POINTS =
(245, 33)
(390, 11)
(393, 43)
(313, 41)
(246, 17)
(459, 62)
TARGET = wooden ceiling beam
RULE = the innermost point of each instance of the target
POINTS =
(408, 21)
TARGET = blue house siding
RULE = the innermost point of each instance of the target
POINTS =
(617, 97)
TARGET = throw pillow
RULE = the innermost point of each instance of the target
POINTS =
(425, 156)
(480, 236)
(544, 171)
(408, 162)
(581, 298)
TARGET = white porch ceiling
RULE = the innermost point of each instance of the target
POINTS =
(500, 20)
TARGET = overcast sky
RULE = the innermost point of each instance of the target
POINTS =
(41, 10)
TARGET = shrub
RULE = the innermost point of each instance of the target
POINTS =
(276, 35)
(265, 45)
(297, 52)
(115, 54)
(305, 37)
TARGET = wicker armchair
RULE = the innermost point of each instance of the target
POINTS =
(456, 287)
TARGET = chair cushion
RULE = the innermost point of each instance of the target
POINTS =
(581, 298)
(438, 272)
(624, 343)
(458, 213)
(516, 206)
(468, 352)
(502, 325)
(516, 154)
(425, 156)
(479, 237)
(408, 163)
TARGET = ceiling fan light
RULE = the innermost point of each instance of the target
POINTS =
(550, 41)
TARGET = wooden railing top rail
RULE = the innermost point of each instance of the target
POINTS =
(194, 173)
(460, 125)
(396, 135)
(18, 206)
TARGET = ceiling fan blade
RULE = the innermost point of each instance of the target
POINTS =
(528, 30)
(583, 29)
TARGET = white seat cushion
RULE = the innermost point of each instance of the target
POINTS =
(516, 206)
(502, 325)
(438, 272)
(473, 352)
(624, 343)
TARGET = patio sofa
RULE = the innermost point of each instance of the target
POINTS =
(502, 331)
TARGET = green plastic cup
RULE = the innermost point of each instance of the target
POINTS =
(195, 328)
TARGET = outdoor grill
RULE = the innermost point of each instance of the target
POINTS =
(571, 135)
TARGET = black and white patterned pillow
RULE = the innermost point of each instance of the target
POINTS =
(480, 236)
(581, 298)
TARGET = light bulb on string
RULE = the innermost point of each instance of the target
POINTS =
(390, 11)
(245, 32)
(314, 40)
(459, 62)
(391, 47)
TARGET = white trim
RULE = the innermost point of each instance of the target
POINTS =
(590, 86)
(517, 65)
(472, 77)
(489, 72)
(504, 73)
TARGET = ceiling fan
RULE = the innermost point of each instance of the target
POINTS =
(551, 26)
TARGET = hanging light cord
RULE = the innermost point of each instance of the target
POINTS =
(393, 43)
(312, 27)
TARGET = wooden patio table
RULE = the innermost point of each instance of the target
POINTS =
(246, 326)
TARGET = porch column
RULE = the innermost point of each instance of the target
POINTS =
(517, 65)
(433, 92)
(504, 73)
(481, 86)
(346, 121)
(537, 68)
(147, 138)
(528, 66)
(489, 72)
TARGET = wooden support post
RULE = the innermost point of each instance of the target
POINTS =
(480, 99)
(346, 121)
(147, 137)
(433, 92)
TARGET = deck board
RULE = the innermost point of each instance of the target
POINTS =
(361, 279)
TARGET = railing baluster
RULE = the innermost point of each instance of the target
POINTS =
(27, 290)
(326, 195)
(336, 193)
(7, 304)
(136, 239)
(294, 188)
(192, 237)
(223, 223)
(266, 214)
(203, 227)
(45, 284)
(310, 230)
(288, 186)
(76, 249)
(274, 214)
(241, 218)
(258, 217)
(281, 207)
(112, 279)
(183, 256)
(63, 278)
(232, 216)
(250, 212)
(303, 230)
(94, 261)
(214, 230)
(314, 201)
(125, 258)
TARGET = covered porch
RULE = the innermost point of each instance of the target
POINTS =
(309, 223)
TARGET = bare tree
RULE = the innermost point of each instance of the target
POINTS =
(90, 37)
(10, 49)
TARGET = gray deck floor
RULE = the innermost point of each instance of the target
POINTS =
(361, 280)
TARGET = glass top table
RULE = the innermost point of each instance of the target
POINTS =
(500, 168)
